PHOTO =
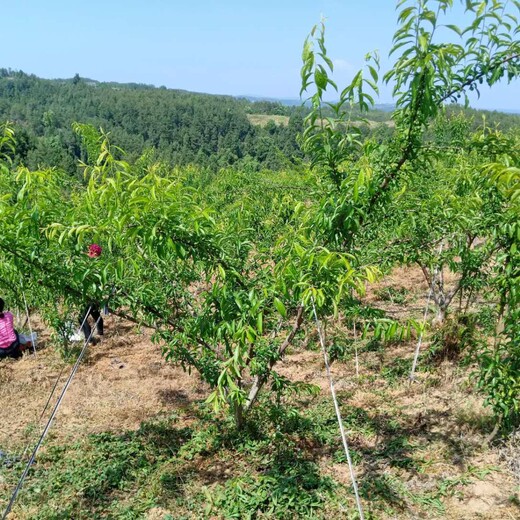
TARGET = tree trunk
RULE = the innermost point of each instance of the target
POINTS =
(239, 415)
(260, 380)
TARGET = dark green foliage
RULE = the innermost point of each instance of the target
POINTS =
(392, 294)
(293, 488)
(153, 465)
(182, 127)
(453, 338)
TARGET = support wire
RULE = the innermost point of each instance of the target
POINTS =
(338, 413)
(33, 340)
(48, 425)
(425, 315)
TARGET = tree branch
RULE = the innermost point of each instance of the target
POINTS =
(261, 379)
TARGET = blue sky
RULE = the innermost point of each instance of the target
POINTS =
(246, 47)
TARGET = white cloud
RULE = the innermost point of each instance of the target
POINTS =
(340, 64)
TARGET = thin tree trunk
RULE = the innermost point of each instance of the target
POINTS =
(355, 349)
(260, 380)
(238, 411)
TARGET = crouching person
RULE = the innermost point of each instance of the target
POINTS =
(92, 309)
(9, 340)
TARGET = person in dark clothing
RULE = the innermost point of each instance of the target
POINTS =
(92, 309)
(9, 339)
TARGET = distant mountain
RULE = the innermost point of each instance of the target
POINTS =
(383, 107)
(288, 102)
(292, 102)
(178, 127)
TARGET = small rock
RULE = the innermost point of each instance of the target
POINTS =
(117, 363)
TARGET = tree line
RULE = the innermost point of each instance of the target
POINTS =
(179, 127)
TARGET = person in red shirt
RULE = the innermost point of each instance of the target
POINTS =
(9, 340)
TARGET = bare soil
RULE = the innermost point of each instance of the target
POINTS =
(123, 381)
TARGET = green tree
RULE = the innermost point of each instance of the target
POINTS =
(366, 180)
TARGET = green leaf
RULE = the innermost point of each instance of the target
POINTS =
(260, 323)
(430, 17)
(321, 79)
(280, 307)
(454, 28)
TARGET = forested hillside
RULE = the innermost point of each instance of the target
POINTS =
(181, 127)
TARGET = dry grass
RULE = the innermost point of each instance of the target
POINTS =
(124, 381)
(440, 419)
(437, 440)
(510, 453)
(263, 119)
(428, 434)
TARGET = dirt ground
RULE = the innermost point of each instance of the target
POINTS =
(125, 380)
(441, 418)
